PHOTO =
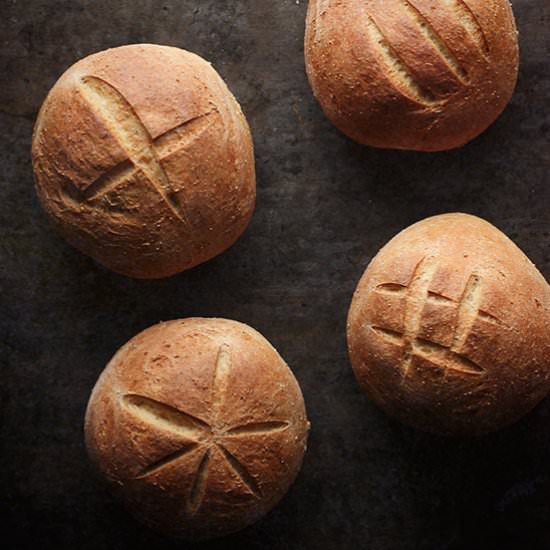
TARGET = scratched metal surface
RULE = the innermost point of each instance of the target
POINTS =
(325, 205)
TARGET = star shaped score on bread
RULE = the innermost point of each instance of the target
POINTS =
(205, 437)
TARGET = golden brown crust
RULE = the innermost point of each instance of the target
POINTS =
(448, 328)
(144, 160)
(418, 74)
(198, 425)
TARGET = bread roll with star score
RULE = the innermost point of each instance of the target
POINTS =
(198, 426)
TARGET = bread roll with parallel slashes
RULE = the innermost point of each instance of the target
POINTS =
(427, 75)
(143, 159)
(449, 328)
(198, 426)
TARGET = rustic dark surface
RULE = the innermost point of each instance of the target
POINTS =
(325, 205)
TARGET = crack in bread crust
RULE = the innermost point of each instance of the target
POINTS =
(321, 6)
(397, 71)
(416, 297)
(438, 42)
(198, 488)
(240, 469)
(466, 16)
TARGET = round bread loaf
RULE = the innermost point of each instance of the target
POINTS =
(449, 328)
(427, 75)
(198, 425)
(144, 160)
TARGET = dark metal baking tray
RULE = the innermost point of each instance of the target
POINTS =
(325, 205)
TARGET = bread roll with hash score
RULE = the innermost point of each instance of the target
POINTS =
(448, 330)
(198, 425)
(427, 75)
(144, 160)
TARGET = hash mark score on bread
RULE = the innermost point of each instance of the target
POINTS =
(198, 426)
(144, 160)
(416, 296)
(427, 75)
(447, 330)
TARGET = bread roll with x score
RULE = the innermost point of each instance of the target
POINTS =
(144, 160)
(449, 328)
(427, 75)
(198, 425)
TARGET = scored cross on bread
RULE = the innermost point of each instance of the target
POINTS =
(144, 160)
(144, 152)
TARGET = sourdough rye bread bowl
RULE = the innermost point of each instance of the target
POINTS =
(449, 328)
(144, 160)
(426, 75)
(198, 426)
